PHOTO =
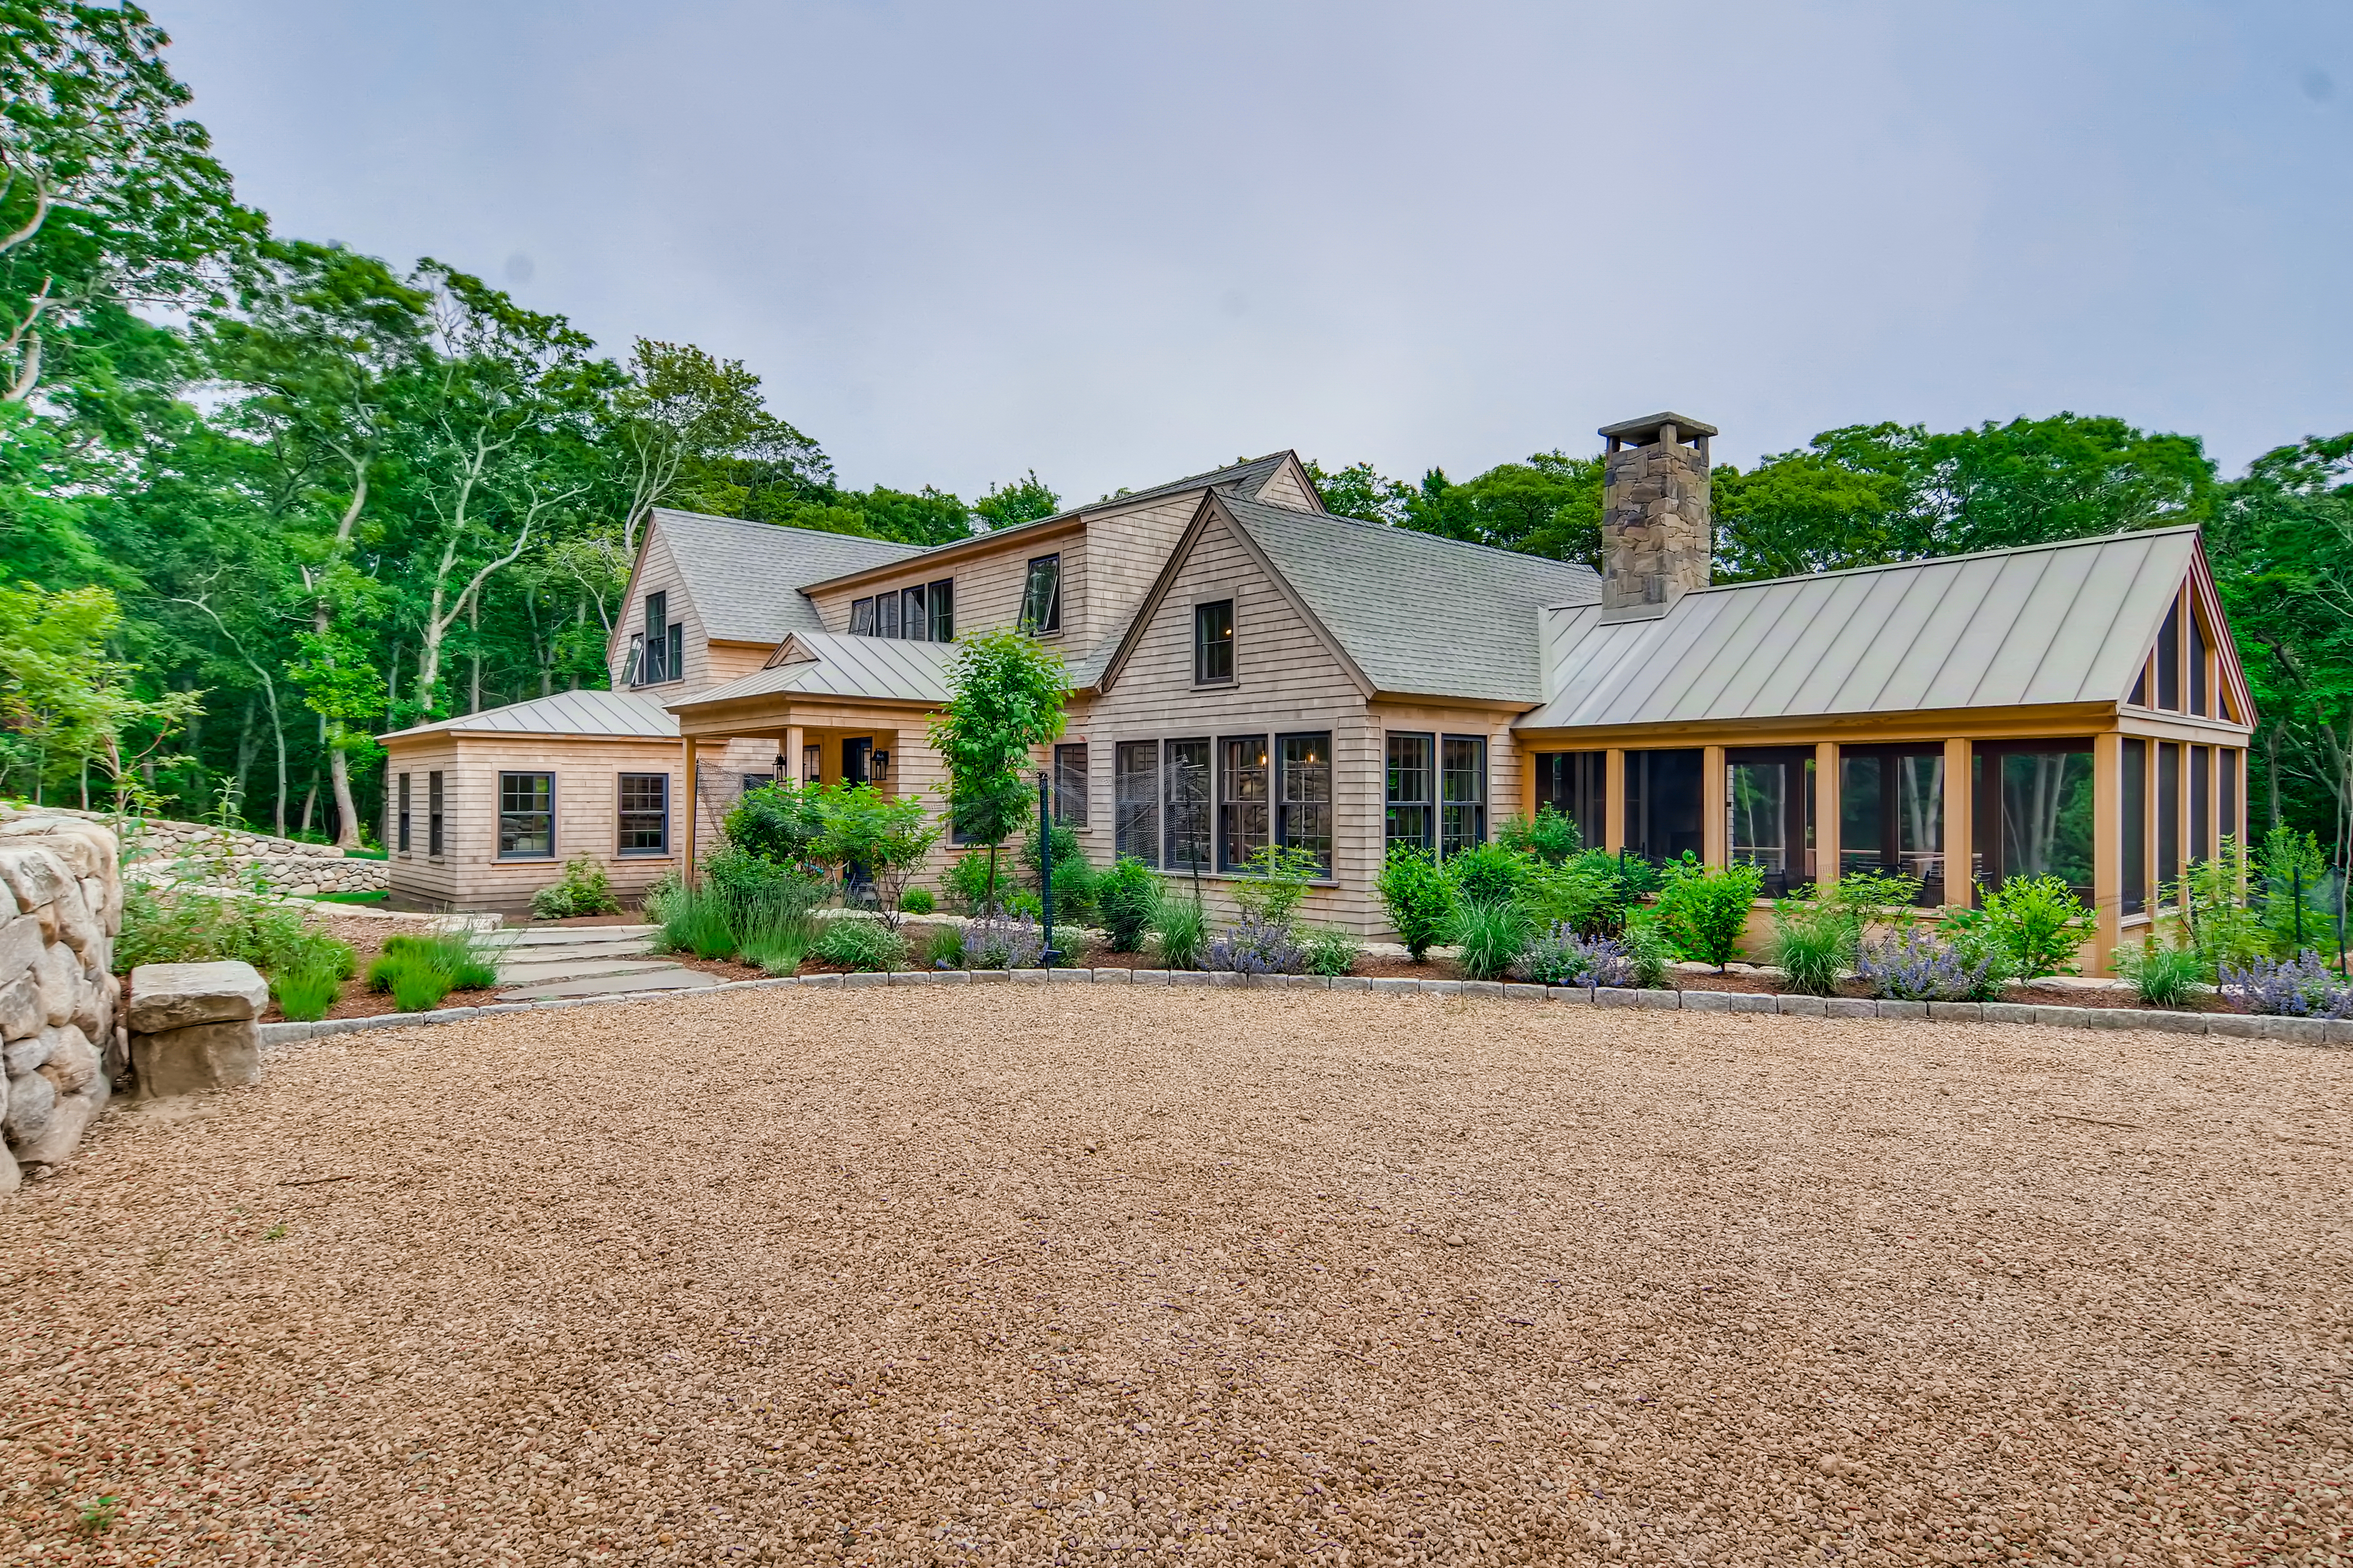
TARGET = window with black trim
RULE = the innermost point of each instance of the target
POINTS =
(403, 816)
(1213, 643)
(1041, 596)
(643, 825)
(1187, 820)
(1463, 792)
(1135, 800)
(1070, 784)
(659, 653)
(1412, 792)
(886, 615)
(2198, 703)
(1303, 795)
(526, 817)
(939, 600)
(1241, 800)
(861, 617)
(433, 814)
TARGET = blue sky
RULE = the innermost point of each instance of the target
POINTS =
(1123, 242)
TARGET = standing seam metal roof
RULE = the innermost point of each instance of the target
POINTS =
(625, 714)
(852, 668)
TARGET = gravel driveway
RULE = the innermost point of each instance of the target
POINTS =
(1019, 1275)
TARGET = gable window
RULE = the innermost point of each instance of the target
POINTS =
(404, 815)
(940, 602)
(660, 655)
(2198, 668)
(526, 817)
(2168, 660)
(1412, 792)
(1303, 818)
(433, 814)
(643, 825)
(635, 661)
(861, 617)
(1462, 793)
(1241, 800)
(1213, 643)
(1187, 820)
(1135, 800)
(1070, 784)
(1041, 596)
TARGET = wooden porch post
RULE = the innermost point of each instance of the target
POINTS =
(1960, 886)
(1716, 808)
(2108, 830)
(1613, 799)
(1826, 813)
(793, 740)
(693, 815)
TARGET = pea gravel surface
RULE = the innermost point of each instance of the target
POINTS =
(1011, 1275)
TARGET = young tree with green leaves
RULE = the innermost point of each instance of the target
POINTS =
(1006, 696)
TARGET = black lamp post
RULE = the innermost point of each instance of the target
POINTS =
(1046, 863)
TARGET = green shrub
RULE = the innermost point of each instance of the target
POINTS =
(463, 960)
(658, 894)
(1022, 901)
(2219, 926)
(697, 919)
(1585, 893)
(178, 926)
(968, 881)
(752, 887)
(1074, 880)
(1486, 874)
(1272, 883)
(864, 944)
(916, 901)
(1124, 901)
(1418, 897)
(2163, 974)
(1180, 930)
(1330, 950)
(1549, 838)
(778, 823)
(305, 994)
(1492, 936)
(1703, 910)
(2034, 923)
(775, 940)
(1647, 949)
(1813, 944)
(2299, 891)
(944, 948)
(584, 891)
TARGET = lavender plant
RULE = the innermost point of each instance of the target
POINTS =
(1258, 947)
(2300, 988)
(1003, 941)
(1920, 966)
(1562, 957)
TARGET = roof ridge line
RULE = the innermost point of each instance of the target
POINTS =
(1935, 560)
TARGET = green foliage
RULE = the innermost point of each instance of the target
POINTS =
(66, 704)
(1359, 491)
(1330, 950)
(1549, 505)
(944, 948)
(304, 995)
(420, 971)
(1025, 500)
(417, 984)
(2298, 888)
(1646, 946)
(967, 880)
(1703, 910)
(1126, 899)
(1587, 891)
(885, 835)
(1419, 899)
(752, 884)
(2163, 975)
(171, 925)
(773, 938)
(1487, 873)
(1492, 936)
(779, 822)
(1272, 882)
(1549, 838)
(916, 901)
(584, 891)
(1007, 693)
(1180, 930)
(1074, 879)
(2034, 923)
(700, 920)
(1819, 933)
(860, 944)
(2216, 923)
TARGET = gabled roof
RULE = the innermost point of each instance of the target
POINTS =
(1419, 614)
(745, 578)
(828, 664)
(2042, 625)
(623, 714)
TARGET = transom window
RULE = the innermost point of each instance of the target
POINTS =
(526, 817)
(1213, 643)
(644, 815)
(1041, 596)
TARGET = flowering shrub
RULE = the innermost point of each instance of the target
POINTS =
(2300, 988)
(1562, 957)
(1003, 941)
(1258, 947)
(1920, 966)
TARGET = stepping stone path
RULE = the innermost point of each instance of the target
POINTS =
(546, 961)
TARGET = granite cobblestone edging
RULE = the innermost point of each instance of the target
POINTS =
(2236, 1025)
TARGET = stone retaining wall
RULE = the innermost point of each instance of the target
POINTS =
(165, 851)
(60, 1035)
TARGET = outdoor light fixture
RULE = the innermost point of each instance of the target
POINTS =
(783, 768)
(879, 768)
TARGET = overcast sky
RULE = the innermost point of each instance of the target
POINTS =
(1122, 242)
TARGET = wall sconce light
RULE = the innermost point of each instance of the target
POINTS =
(782, 772)
(879, 767)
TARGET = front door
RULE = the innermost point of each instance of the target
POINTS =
(855, 756)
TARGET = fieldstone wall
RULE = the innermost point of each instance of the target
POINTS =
(163, 851)
(1657, 527)
(60, 1033)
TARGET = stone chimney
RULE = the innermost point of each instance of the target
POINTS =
(1657, 521)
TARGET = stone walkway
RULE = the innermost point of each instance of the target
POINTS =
(589, 961)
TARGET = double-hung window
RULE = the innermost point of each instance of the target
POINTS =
(1412, 792)
(1041, 596)
(1213, 643)
(1187, 820)
(643, 825)
(663, 656)
(433, 817)
(1135, 800)
(403, 841)
(1303, 817)
(526, 817)
(1462, 793)
(1241, 800)
(1070, 784)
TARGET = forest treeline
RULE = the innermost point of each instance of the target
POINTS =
(261, 498)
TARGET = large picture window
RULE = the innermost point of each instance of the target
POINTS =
(1041, 596)
(1213, 643)
(1241, 800)
(1187, 818)
(1304, 796)
(1070, 784)
(644, 816)
(1412, 791)
(1462, 793)
(1664, 803)
(526, 817)
(1892, 815)
(1135, 800)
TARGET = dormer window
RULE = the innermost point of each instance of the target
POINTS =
(1041, 596)
(924, 613)
(658, 654)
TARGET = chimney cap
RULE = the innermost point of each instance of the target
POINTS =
(1644, 431)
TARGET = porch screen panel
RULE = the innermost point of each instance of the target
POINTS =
(1412, 792)
(1663, 803)
(526, 817)
(1920, 822)
(2044, 806)
(2132, 807)
(2197, 667)
(1241, 800)
(1186, 793)
(1768, 800)
(1070, 784)
(2168, 812)
(1135, 800)
(2168, 660)
(1462, 793)
(2201, 800)
(1892, 817)
(1572, 784)
(1304, 796)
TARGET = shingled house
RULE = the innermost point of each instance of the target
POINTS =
(1252, 669)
